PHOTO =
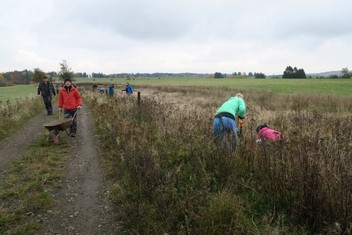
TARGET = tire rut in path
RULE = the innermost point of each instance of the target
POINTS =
(82, 207)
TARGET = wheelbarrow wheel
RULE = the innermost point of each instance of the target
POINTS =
(53, 136)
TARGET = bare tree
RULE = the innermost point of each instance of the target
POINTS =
(65, 71)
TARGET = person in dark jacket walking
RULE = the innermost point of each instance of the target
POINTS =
(47, 91)
(70, 100)
(111, 90)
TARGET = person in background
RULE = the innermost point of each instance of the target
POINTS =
(57, 88)
(101, 89)
(95, 87)
(128, 89)
(111, 90)
(70, 100)
(266, 133)
(47, 91)
(225, 117)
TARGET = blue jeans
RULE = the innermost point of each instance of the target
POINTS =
(224, 124)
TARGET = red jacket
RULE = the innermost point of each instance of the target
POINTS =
(69, 100)
(270, 134)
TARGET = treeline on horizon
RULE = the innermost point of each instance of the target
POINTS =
(27, 76)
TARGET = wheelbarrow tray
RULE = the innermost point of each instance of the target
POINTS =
(60, 124)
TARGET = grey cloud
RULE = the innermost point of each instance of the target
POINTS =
(176, 35)
(134, 19)
(325, 19)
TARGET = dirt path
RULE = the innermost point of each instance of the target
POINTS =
(16, 145)
(81, 204)
(82, 208)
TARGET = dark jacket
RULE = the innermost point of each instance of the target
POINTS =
(111, 89)
(46, 91)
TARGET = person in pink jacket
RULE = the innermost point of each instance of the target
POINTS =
(265, 133)
(70, 100)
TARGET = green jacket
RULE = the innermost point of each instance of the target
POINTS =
(235, 106)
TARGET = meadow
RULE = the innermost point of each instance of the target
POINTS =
(166, 176)
(11, 93)
(166, 173)
(340, 87)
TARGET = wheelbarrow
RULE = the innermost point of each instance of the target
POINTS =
(57, 126)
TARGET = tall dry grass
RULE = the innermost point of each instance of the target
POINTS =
(169, 177)
(14, 114)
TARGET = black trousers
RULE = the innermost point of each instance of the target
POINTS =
(48, 105)
(69, 113)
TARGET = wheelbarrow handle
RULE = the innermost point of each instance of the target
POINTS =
(74, 115)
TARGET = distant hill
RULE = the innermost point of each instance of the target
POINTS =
(325, 74)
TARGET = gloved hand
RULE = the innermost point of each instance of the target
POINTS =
(241, 122)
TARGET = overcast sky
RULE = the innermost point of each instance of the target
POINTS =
(200, 36)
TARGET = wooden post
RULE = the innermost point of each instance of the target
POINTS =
(139, 98)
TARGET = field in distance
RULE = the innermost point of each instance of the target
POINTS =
(11, 93)
(333, 87)
(339, 87)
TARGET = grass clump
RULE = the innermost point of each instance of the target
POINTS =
(14, 114)
(26, 188)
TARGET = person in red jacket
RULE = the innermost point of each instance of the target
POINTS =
(70, 100)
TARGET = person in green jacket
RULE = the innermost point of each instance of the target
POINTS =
(225, 117)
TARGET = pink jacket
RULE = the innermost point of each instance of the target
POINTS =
(270, 135)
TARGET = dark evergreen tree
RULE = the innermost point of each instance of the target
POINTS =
(294, 73)
(346, 73)
(218, 75)
(259, 75)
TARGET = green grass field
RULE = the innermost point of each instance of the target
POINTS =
(338, 87)
(20, 91)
